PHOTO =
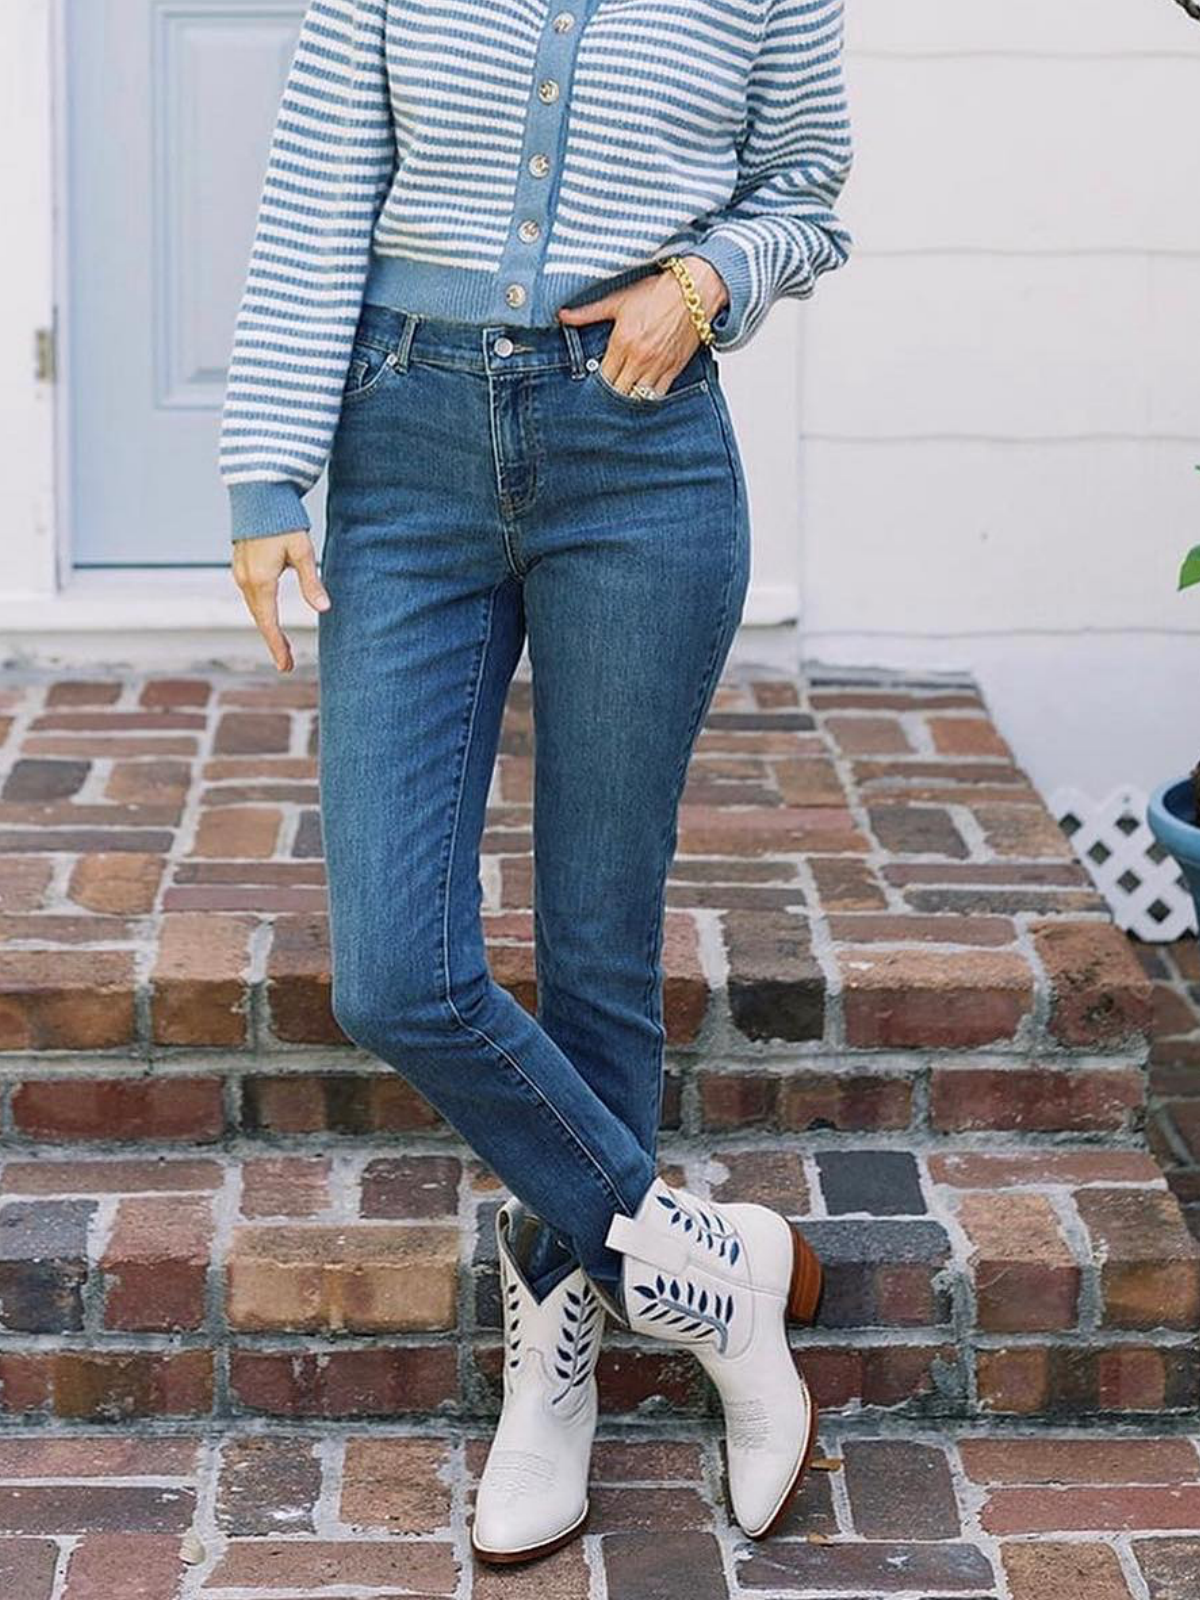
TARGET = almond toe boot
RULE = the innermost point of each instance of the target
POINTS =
(533, 1493)
(724, 1280)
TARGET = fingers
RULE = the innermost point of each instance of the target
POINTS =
(257, 565)
(311, 587)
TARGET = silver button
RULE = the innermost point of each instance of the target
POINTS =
(591, 363)
(515, 294)
(547, 90)
(539, 165)
(504, 346)
(529, 230)
(564, 22)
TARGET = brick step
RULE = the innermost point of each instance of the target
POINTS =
(1057, 1283)
(861, 866)
(299, 1098)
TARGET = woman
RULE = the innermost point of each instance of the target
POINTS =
(497, 247)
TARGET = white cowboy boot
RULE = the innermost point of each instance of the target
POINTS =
(533, 1494)
(723, 1280)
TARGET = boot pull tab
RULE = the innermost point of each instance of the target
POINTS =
(647, 1244)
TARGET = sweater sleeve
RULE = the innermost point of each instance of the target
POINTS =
(778, 232)
(329, 169)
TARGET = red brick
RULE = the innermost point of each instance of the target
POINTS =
(1045, 1570)
(685, 991)
(398, 1483)
(767, 1177)
(411, 1186)
(348, 1103)
(119, 1108)
(238, 832)
(66, 999)
(634, 1460)
(157, 1264)
(267, 1485)
(901, 999)
(678, 1564)
(1087, 1378)
(426, 1566)
(96, 1456)
(66, 1508)
(27, 1568)
(124, 881)
(898, 1489)
(848, 1102)
(285, 1186)
(299, 982)
(175, 692)
(84, 692)
(1033, 1459)
(869, 927)
(736, 1100)
(252, 733)
(1101, 996)
(108, 1177)
(967, 736)
(199, 992)
(775, 985)
(1149, 1261)
(23, 883)
(1108, 1509)
(1026, 1278)
(563, 1575)
(1070, 1168)
(345, 1383)
(628, 1378)
(868, 735)
(1034, 1099)
(368, 1279)
(111, 1386)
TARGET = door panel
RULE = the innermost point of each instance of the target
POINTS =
(171, 107)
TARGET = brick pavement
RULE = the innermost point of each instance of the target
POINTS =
(860, 867)
(246, 1283)
(382, 1514)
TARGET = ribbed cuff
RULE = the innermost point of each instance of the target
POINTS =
(729, 325)
(260, 509)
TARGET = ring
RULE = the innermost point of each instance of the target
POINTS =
(645, 391)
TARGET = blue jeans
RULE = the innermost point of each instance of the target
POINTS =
(488, 486)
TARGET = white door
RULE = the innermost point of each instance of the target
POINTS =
(170, 106)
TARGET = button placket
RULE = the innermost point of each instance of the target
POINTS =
(520, 268)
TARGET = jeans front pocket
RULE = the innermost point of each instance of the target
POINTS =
(373, 354)
(693, 378)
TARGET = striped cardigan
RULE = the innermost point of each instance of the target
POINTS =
(492, 160)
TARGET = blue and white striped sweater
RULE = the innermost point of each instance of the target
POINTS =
(493, 160)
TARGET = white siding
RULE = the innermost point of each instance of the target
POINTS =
(1001, 393)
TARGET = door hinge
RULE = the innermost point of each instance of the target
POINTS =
(45, 355)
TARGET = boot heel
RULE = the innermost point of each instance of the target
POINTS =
(804, 1294)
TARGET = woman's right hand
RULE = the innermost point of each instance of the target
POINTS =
(257, 565)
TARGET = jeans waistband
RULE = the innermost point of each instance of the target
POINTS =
(482, 347)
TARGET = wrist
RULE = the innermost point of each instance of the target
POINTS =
(713, 289)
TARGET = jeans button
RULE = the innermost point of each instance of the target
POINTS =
(503, 346)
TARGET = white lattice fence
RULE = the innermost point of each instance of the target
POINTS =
(1140, 881)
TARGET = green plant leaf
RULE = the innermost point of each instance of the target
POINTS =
(1189, 573)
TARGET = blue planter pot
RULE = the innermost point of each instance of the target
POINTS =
(1171, 816)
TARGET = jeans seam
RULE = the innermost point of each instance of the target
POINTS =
(573, 1139)
(707, 683)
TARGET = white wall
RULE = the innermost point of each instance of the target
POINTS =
(1001, 392)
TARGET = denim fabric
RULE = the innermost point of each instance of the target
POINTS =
(477, 499)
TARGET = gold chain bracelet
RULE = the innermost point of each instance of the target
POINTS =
(691, 297)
